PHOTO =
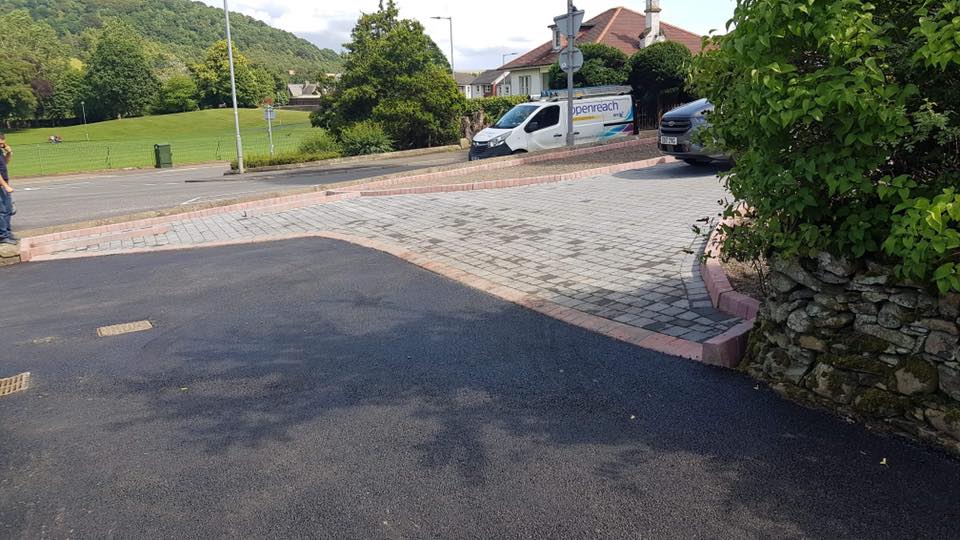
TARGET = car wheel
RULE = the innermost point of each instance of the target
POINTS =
(696, 162)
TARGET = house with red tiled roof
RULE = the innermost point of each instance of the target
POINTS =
(617, 27)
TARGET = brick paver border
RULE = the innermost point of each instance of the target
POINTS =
(513, 182)
(28, 245)
(728, 348)
(619, 331)
(724, 350)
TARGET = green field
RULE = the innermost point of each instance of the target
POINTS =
(195, 137)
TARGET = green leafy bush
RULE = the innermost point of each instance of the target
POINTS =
(842, 116)
(365, 138)
(602, 65)
(177, 94)
(495, 106)
(424, 111)
(658, 69)
(286, 158)
(319, 142)
(926, 233)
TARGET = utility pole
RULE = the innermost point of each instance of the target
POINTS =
(233, 89)
(570, 47)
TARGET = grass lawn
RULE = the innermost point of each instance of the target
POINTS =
(195, 137)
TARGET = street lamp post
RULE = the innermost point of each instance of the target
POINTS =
(83, 107)
(233, 89)
(503, 58)
(570, 48)
(450, 19)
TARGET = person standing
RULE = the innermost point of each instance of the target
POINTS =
(6, 199)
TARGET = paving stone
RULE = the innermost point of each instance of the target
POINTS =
(608, 246)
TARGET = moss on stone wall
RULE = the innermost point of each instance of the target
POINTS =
(865, 344)
(878, 403)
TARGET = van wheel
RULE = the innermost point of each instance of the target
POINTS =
(520, 151)
(696, 162)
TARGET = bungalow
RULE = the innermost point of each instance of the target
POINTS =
(465, 83)
(618, 27)
(493, 82)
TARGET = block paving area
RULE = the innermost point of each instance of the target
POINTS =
(619, 247)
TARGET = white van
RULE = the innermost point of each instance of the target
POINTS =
(541, 125)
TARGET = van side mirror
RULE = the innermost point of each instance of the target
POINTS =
(532, 126)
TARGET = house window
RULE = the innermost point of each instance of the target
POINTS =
(524, 82)
(486, 89)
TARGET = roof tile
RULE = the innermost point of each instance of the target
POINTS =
(617, 27)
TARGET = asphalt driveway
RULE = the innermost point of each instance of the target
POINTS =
(316, 389)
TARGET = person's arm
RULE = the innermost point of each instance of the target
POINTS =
(4, 177)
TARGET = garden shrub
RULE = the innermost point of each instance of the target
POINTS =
(661, 68)
(365, 138)
(495, 106)
(843, 119)
(602, 65)
(318, 142)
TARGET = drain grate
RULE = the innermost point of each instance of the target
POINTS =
(125, 328)
(17, 383)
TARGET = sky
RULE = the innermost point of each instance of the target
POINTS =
(483, 31)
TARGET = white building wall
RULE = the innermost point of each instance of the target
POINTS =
(529, 81)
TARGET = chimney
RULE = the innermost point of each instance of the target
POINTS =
(652, 34)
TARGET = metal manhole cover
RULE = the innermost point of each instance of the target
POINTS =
(13, 384)
(125, 328)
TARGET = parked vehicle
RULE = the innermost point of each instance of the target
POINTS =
(599, 114)
(677, 129)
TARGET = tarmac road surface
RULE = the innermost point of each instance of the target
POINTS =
(78, 198)
(316, 389)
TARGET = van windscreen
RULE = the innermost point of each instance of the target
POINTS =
(516, 116)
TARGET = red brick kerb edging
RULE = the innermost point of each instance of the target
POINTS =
(720, 351)
(728, 348)
(630, 334)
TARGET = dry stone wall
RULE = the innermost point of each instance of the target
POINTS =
(853, 338)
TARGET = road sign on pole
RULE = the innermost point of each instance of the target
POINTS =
(577, 63)
(569, 25)
(563, 22)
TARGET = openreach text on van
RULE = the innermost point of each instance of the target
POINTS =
(607, 106)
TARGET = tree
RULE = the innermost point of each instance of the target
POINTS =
(35, 57)
(421, 113)
(395, 74)
(659, 70)
(184, 28)
(119, 79)
(68, 91)
(17, 99)
(602, 65)
(213, 79)
(178, 94)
